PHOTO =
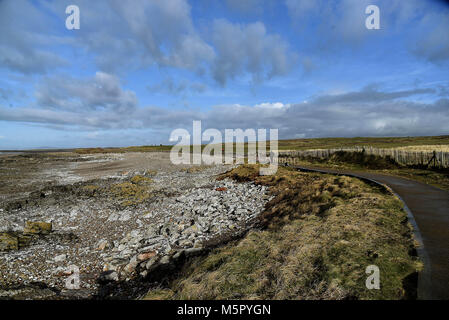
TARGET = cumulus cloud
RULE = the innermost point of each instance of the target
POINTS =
(248, 48)
(101, 92)
(139, 34)
(122, 36)
(166, 30)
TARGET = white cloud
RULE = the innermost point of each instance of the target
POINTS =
(364, 113)
(121, 36)
(249, 48)
(101, 92)
(269, 105)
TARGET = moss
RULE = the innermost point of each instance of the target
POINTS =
(133, 192)
(37, 227)
(141, 180)
(8, 242)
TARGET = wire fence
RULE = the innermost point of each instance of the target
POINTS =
(402, 157)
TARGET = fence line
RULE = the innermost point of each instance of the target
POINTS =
(402, 157)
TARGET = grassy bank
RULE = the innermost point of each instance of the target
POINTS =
(316, 239)
(356, 161)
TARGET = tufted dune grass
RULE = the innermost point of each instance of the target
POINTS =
(314, 241)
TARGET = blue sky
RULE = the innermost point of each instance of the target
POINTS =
(137, 70)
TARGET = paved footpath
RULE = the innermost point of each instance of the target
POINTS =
(429, 214)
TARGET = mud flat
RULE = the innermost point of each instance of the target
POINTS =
(114, 217)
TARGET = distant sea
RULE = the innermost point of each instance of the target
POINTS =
(8, 152)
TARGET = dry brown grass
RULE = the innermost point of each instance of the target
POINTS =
(435, 177)
(319, 234)
(426, 148)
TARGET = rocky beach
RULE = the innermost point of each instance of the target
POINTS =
(110, 218)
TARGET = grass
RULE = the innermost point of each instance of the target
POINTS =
(385, 142)
(426, 148)
(316, 239)
(355, 161)
(305, 144)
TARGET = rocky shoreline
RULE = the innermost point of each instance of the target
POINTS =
(127, 224)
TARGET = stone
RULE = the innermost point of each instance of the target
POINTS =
(113, 217)
(8, 242)
(131, 266)
(144, 273)
(60, 258)
(124, 217)
(37, 227)
(146, 255)
(165, 260)
(151, 263)
(108, 276)
(109, 267)
(103, 245)
(192, 251)
(186, 243)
